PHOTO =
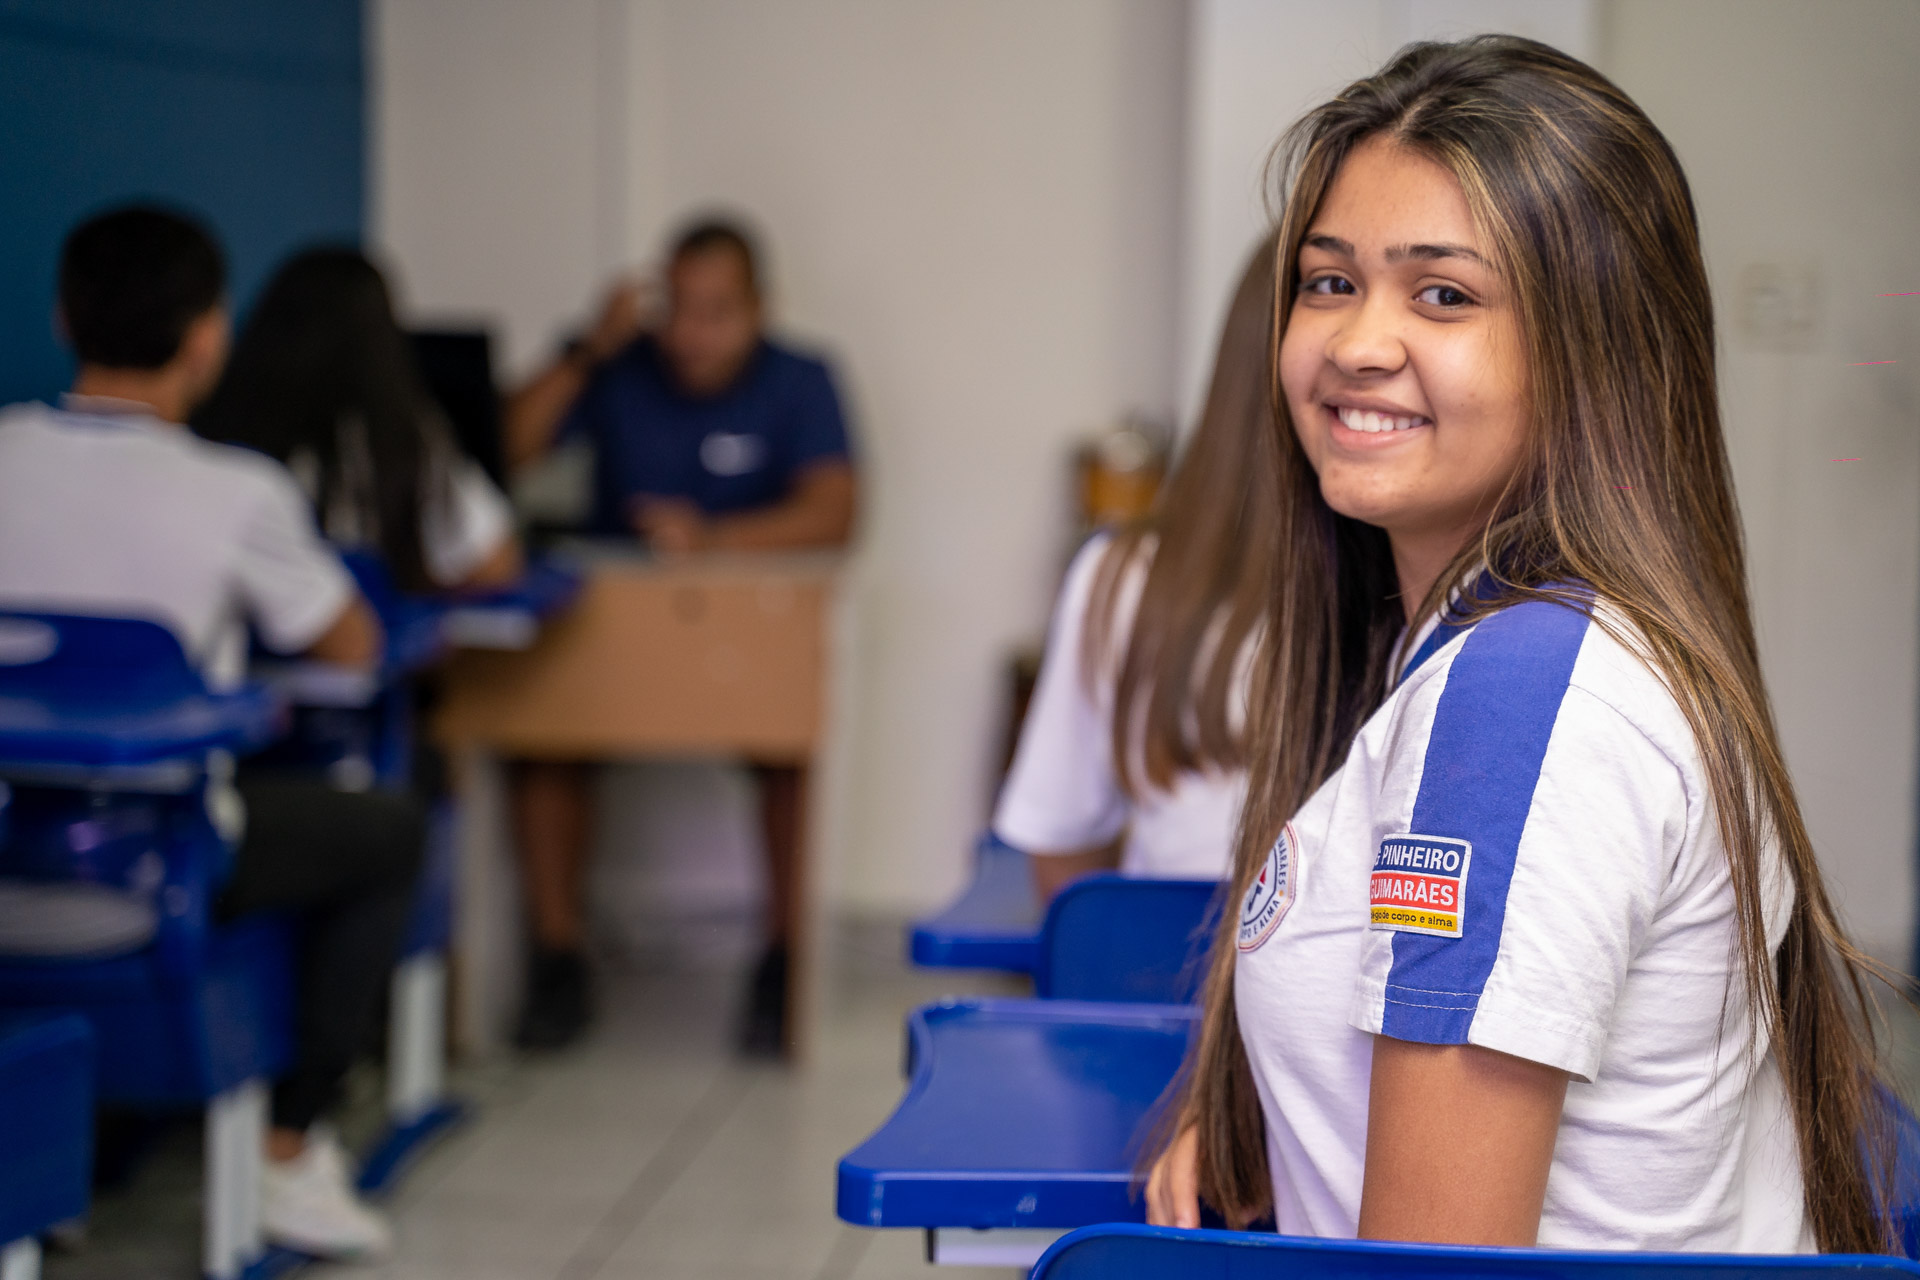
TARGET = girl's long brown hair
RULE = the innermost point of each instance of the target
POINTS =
(1214, 535)
(1593, 228)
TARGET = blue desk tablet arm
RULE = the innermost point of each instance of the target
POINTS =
(1020, 1122)
(994, 922)
(510, 617)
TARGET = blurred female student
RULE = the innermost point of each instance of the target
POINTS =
(1531, 944)
(323, 379)
(1133, 751)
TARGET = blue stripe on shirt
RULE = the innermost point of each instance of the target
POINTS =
(1489, 738)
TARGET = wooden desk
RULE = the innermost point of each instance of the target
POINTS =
(714, 656)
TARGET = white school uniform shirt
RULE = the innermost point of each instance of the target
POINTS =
(1063, 793)
(1520, 852)
(462, 522)
(461, 531)
(106, 510)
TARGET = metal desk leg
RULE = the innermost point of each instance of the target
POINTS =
(1001, 1247)
(236, 1136)
(416, 1035)
(21, 1260)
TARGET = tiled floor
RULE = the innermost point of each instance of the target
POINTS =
(650, 1151)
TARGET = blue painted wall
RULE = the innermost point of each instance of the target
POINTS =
(248, 112)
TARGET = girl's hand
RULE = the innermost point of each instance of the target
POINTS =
(1173, 1188)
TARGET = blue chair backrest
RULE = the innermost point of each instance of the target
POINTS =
(87, 661)
(1112, 937)
(1131, 1252)
(373, 577)
(1904, 1194)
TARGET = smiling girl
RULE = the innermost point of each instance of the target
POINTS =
(1531, 945)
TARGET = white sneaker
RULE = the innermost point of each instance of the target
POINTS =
(309, 1204)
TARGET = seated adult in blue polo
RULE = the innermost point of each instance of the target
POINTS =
(709, 436)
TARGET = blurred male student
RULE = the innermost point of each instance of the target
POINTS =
(109, 505)
(708, 436)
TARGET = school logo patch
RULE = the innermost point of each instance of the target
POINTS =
(1419, 885)
(725, 454)
(1272, 891)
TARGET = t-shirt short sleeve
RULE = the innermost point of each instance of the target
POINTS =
(1520, 850)
(467, 527)
(1062, 794)
(290, 583)
(819, 428)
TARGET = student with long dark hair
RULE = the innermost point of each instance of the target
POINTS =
(323, 378)
(1529, 942)
(1133, 752)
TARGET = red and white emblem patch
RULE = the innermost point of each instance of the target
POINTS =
(1272, 892)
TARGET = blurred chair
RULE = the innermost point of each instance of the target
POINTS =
(359, 730)
(1904, 1193)
(1103, 937)
(1114, 937)
(419, 1105)
(112, 748)
(1130, 1252)
(356, 727)
(46, 1133)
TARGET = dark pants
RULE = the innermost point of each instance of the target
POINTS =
(346, 863)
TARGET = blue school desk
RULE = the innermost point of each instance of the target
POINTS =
(1020, 1122)
(46, 1133)
(358, 729)
(108, 739)
(1131, 1252)
(993, 924)
(509, 618)
(1103, 937)
(353, 725)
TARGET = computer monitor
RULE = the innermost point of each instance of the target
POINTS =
(458, 367)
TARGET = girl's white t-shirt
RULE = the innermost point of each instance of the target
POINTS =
(1520, 852)
(1063, 793)
(461, 532)
(464, 518)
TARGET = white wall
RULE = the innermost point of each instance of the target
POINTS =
(972, 207)
(1799, 126)
(486, 119)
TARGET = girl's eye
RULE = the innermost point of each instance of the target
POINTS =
(1444, 295)
(1327, 285)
